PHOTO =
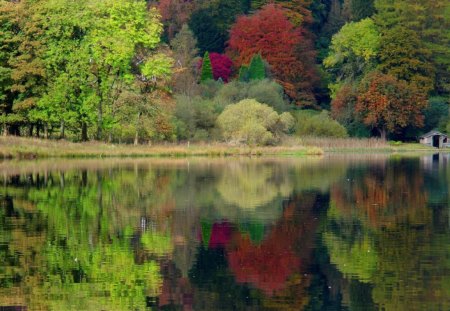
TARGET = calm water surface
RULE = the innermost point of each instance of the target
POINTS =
(332, 233)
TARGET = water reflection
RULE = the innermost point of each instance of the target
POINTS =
(332, 233)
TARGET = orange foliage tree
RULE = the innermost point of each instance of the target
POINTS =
(387, 104)
(287, 48)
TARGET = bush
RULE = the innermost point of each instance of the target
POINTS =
(312, 123)
(264, 91)
(251, 122)
(195, 118)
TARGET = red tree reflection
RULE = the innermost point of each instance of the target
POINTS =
(284, 253)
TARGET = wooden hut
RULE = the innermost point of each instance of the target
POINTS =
(435, 139)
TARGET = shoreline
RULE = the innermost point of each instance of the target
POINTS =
(33, 148)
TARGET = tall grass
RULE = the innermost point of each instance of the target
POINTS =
(358, 145)
(346, 143)
(29, 148)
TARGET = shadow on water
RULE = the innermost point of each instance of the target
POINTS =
(331, 233)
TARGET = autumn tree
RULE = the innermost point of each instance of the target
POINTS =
(387, 104)
(298, 11)
(184, 47)
(221, 66)
(26, 65)
(174, 14)
(269, 33)
(9, 21)
(343, 110)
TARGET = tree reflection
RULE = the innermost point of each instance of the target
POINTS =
(84, 251)
(307, 235)
(380, 230)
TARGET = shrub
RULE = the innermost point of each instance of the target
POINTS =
(251, 122)
(263, 91)
(312, 123)
(195, 118)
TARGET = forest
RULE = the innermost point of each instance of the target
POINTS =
(237, 71)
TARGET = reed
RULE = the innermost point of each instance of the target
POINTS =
(30, 148)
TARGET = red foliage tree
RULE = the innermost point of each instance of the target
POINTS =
(222, 66)
(387, 104)
(288, 50)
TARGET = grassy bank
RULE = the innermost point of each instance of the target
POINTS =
(29, 148)
(364, 145)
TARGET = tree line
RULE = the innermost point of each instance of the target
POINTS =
(145, 71)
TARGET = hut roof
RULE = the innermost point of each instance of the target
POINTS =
(433, 133)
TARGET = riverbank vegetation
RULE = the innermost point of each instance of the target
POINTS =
(32, 148)
(204, 72)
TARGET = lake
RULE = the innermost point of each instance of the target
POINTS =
(324, 233)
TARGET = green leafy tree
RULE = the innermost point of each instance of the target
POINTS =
(207, 71)
(253, 123)
(256, 69)
(353, 52)
(122, 27)
(427, 24)
(404, 56)
(361, 9)
(209, 36)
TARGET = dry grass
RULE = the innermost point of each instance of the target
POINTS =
(361, 145)
(29, 148)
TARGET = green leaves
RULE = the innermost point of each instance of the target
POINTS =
(354, 41)
(207, 73)
(158, 66)
(353, 53)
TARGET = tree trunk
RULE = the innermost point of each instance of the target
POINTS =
(136, 138)
(383, 133)
(30, 130)
(45, 130)
(136, 135)
(84, 135)
(62, 130)
(99, 120)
